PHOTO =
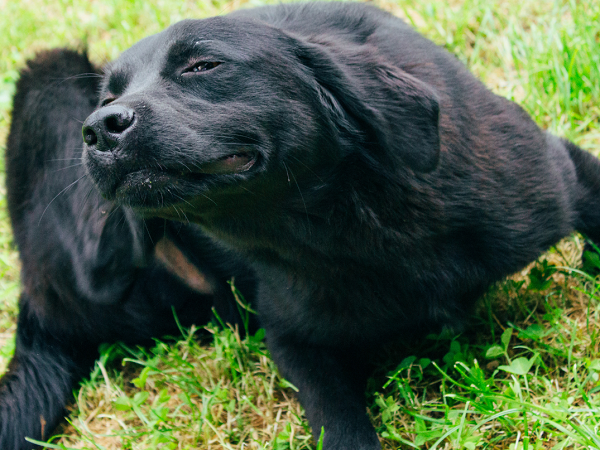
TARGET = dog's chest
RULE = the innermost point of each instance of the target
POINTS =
(353, 306)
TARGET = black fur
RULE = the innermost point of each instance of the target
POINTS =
(375, 185)
(90, 272)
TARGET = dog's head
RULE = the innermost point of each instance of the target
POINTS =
(207, 110)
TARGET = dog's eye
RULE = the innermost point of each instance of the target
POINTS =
(107, 100)
(202, 66)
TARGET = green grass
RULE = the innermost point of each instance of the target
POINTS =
(526, 375)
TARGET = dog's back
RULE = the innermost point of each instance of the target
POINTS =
(548, 185)
(504, 191)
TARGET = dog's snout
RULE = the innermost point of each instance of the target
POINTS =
(105, 127)
(119, 120)
(89, 136)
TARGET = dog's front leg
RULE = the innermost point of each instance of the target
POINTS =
(331, 386)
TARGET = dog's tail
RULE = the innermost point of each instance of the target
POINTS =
(587, 168)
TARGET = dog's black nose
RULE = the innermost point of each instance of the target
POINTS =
(105, 127)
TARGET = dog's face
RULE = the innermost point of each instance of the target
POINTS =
(199, 109)
(198, 116)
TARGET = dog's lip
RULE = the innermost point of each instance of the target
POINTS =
(155, 178)
(143, 179)
(229, 164)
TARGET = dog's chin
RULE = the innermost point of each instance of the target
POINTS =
(152, 190)
(145, 188)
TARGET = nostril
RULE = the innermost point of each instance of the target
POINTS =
(119, 121)
(105, 128)
(89, 136)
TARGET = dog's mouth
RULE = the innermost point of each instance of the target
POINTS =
(144, 185)
(235, 163)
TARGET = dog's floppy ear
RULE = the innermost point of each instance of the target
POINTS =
(411, 111)
(399, 111)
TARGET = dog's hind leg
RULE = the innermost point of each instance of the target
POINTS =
(55, 92)
(89, 272)
(39, 381)
(587, 194)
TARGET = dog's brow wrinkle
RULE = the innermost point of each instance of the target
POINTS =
(117, 82)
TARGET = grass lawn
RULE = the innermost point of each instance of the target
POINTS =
(526, 375)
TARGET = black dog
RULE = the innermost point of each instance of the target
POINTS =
(91, 272)
(372, 182)
(376, 187)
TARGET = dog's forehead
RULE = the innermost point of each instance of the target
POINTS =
(143, 57)
(226, 29)
(217, 34)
